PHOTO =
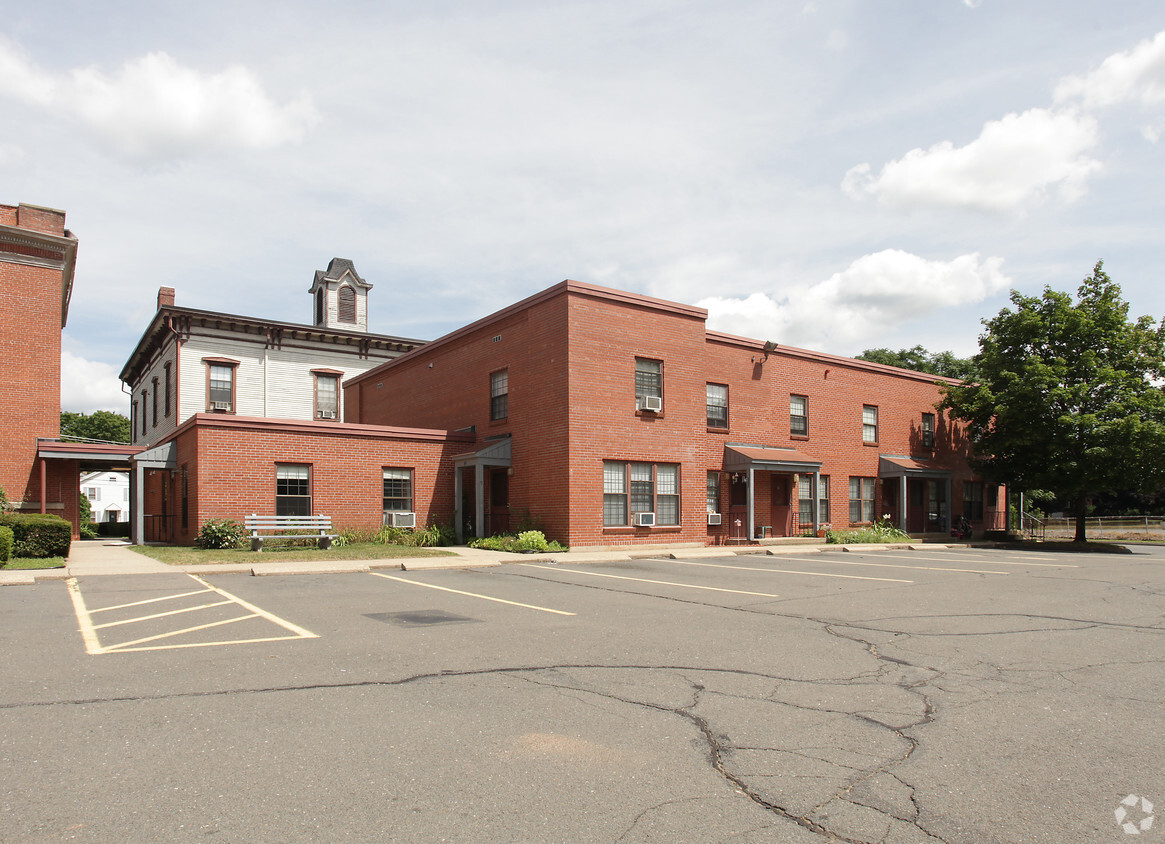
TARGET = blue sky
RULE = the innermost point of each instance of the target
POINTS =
(833, 174)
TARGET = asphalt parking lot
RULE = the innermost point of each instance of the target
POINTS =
(963, 695)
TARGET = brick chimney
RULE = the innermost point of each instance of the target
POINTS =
(165, 297)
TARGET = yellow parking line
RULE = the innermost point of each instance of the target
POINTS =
(786, 571)
(171, 633)
(990, 562)
(657, 582)
(470, 594)
(150, 601)
(136, 619)
(84, 622)
(832, 561)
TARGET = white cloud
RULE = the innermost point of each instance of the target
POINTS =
(858, 303)
(154, 108)
(88, 385)
(1134, 75)
(1014, 162)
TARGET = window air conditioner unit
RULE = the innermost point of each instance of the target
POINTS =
(652, 404)
(401, 520)
(713, 519)
(327, 414)
(220, 405)
(645, 519)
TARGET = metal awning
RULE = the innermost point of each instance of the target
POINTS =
(99, 456)
(768, 458)
(890, 466)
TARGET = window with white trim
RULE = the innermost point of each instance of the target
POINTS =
(869, 423)
(861, 500)
(717, 402)
(292, 489)
(221, 390)
(499, 395)
(648, 380)
(799, 416)
(714, 492)
(633, 488)
(928, 430)
(398, 490)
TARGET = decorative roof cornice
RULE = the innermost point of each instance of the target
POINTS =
(19, 245)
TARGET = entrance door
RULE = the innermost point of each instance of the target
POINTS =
(782, 509)
(498, 513)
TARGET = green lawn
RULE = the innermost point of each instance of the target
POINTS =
(181, 555)
(31, 563)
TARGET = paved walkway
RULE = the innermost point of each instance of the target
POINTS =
(112, 556)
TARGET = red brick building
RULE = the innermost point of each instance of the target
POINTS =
(612, 418)
(37, 257)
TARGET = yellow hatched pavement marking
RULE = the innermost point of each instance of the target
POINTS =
(785, 571)
(93, 644)
(656, 582)
(469, 594)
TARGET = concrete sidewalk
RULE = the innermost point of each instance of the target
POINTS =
(110, 556)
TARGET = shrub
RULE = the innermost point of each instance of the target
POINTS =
(880, 531)
(112, 528)
(38, 535)
(220, 533)
(526, 541)
(6, 540)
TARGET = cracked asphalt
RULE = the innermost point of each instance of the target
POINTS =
(963, 695)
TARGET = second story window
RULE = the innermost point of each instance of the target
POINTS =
(327, 395)
(169, 379)
(499, 395)
(154, 406)
(869, 423)
(648, 384)
(220, 384)
(799, 416)
(145, 394)
(928, 430)
(717, 406)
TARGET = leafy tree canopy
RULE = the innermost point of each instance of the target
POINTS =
(919, 359)
(1067, 396)
(100, 425)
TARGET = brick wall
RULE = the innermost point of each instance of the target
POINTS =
(570, 354)
(230, 471)
(30, 344)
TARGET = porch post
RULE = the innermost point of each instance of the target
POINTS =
(44, 501)
(479, 503)
(902, 502)
(751, 503)
(137, 505)
(458, 513)
(950, 503)
(816, 501)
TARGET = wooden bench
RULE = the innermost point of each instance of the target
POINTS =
(322, 525)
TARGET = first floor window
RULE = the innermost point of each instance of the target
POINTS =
(633, 488)
(714, 492)
(823, 500)
(292, 489)
(805, 500)
(398, 490)
(973, 501)
(861, 500)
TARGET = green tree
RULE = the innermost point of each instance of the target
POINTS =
(100, 425)
(1067, 396)
(944, 364)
